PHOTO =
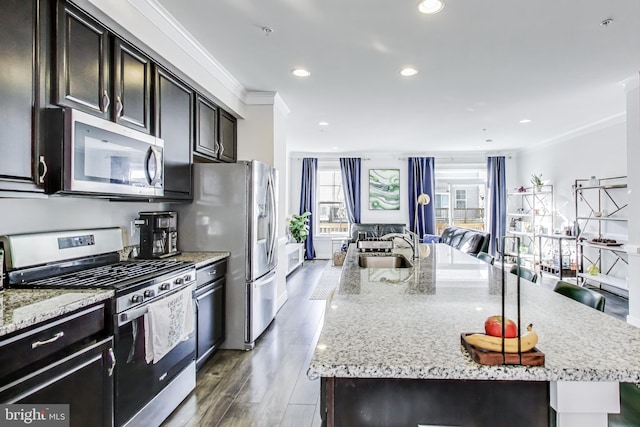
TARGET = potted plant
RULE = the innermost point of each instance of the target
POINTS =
(299, 226)
(537, 180)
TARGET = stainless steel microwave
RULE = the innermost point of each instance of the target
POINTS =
(92, 156)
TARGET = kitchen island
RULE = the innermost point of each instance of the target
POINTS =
(394, 335)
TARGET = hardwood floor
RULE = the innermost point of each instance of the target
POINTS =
(267, 386)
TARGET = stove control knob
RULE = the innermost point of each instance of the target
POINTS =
(187, 278)
(179, 281)
(149, 293)
(165, 286)
(136, 299)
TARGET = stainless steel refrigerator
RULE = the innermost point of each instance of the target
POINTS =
(234, 208)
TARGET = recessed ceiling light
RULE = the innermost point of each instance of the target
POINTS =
(335, 148)
(323, 124)
(430, 6)
(300, 72)
(408, 72)
(525, 121)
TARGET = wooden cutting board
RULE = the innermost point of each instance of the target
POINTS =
(605, 244)
(532, 357)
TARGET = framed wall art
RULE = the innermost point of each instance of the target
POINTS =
(384, 189)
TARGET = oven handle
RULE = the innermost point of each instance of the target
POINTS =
(135, 313)
(131, 315)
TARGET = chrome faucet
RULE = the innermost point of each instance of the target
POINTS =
(411, 239)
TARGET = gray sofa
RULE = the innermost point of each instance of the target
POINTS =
(466, 239)
(373, 230)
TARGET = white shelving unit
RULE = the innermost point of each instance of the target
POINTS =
(529, 214)
(601, 214)
(295, 256)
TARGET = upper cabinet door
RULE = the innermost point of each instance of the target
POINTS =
(19, 91)
(131, 87)
(173, 121)
(228, 138)
(82, 55)
(206, 143)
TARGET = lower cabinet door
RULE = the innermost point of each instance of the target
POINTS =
(82, 380)
(210, 320)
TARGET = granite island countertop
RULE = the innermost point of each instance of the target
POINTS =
(201, 258)
(406, 323)
(22, 308)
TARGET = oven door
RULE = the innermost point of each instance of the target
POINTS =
(136, 381)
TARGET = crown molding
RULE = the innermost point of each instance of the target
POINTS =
(631, 83)
(268, 98)
(260, 98)
(607, 122)
(166, 23)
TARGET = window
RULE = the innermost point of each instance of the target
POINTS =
(461, 199)
(332, 216)
(460, 195)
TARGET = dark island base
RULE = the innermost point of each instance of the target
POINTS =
(352, 402)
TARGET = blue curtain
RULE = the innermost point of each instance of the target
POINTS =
(350, 168)
(422, 180)
(308, 199)
(496, 202)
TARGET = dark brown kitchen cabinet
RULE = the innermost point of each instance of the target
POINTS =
(228, 137)
(20, 50)
(206, 143)
(174, 119)
(131, 87)
(83, 62)
(210, 310)
(100, 74)
(82, 381)
(67, 360)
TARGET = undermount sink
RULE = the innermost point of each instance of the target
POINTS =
(383, 261)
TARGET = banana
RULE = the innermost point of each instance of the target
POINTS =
(487, 342)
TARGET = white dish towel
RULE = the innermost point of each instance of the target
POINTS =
(167, 323)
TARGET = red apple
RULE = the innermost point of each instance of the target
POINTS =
(493, 327)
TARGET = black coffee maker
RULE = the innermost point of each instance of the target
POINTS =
(158, 234)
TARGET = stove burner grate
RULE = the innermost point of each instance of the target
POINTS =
(108, 276)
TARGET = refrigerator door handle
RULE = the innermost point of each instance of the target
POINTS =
(272, 225)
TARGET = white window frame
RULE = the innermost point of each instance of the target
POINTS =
(324, 166)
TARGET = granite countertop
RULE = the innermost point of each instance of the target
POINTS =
(21, 308)
(406, 323)
(201, 258)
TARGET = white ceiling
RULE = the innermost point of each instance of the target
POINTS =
(483, 66)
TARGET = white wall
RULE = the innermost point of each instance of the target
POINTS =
(256, 134)
(602, 153)
(65, 213)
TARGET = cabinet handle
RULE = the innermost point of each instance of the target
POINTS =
(212, 272)
(54, 338)
(216, 148)
(119, 107)
(45, 169)
(105, 102)
(112, 359)
(221, 148)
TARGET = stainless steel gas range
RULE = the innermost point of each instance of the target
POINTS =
(147, 389)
